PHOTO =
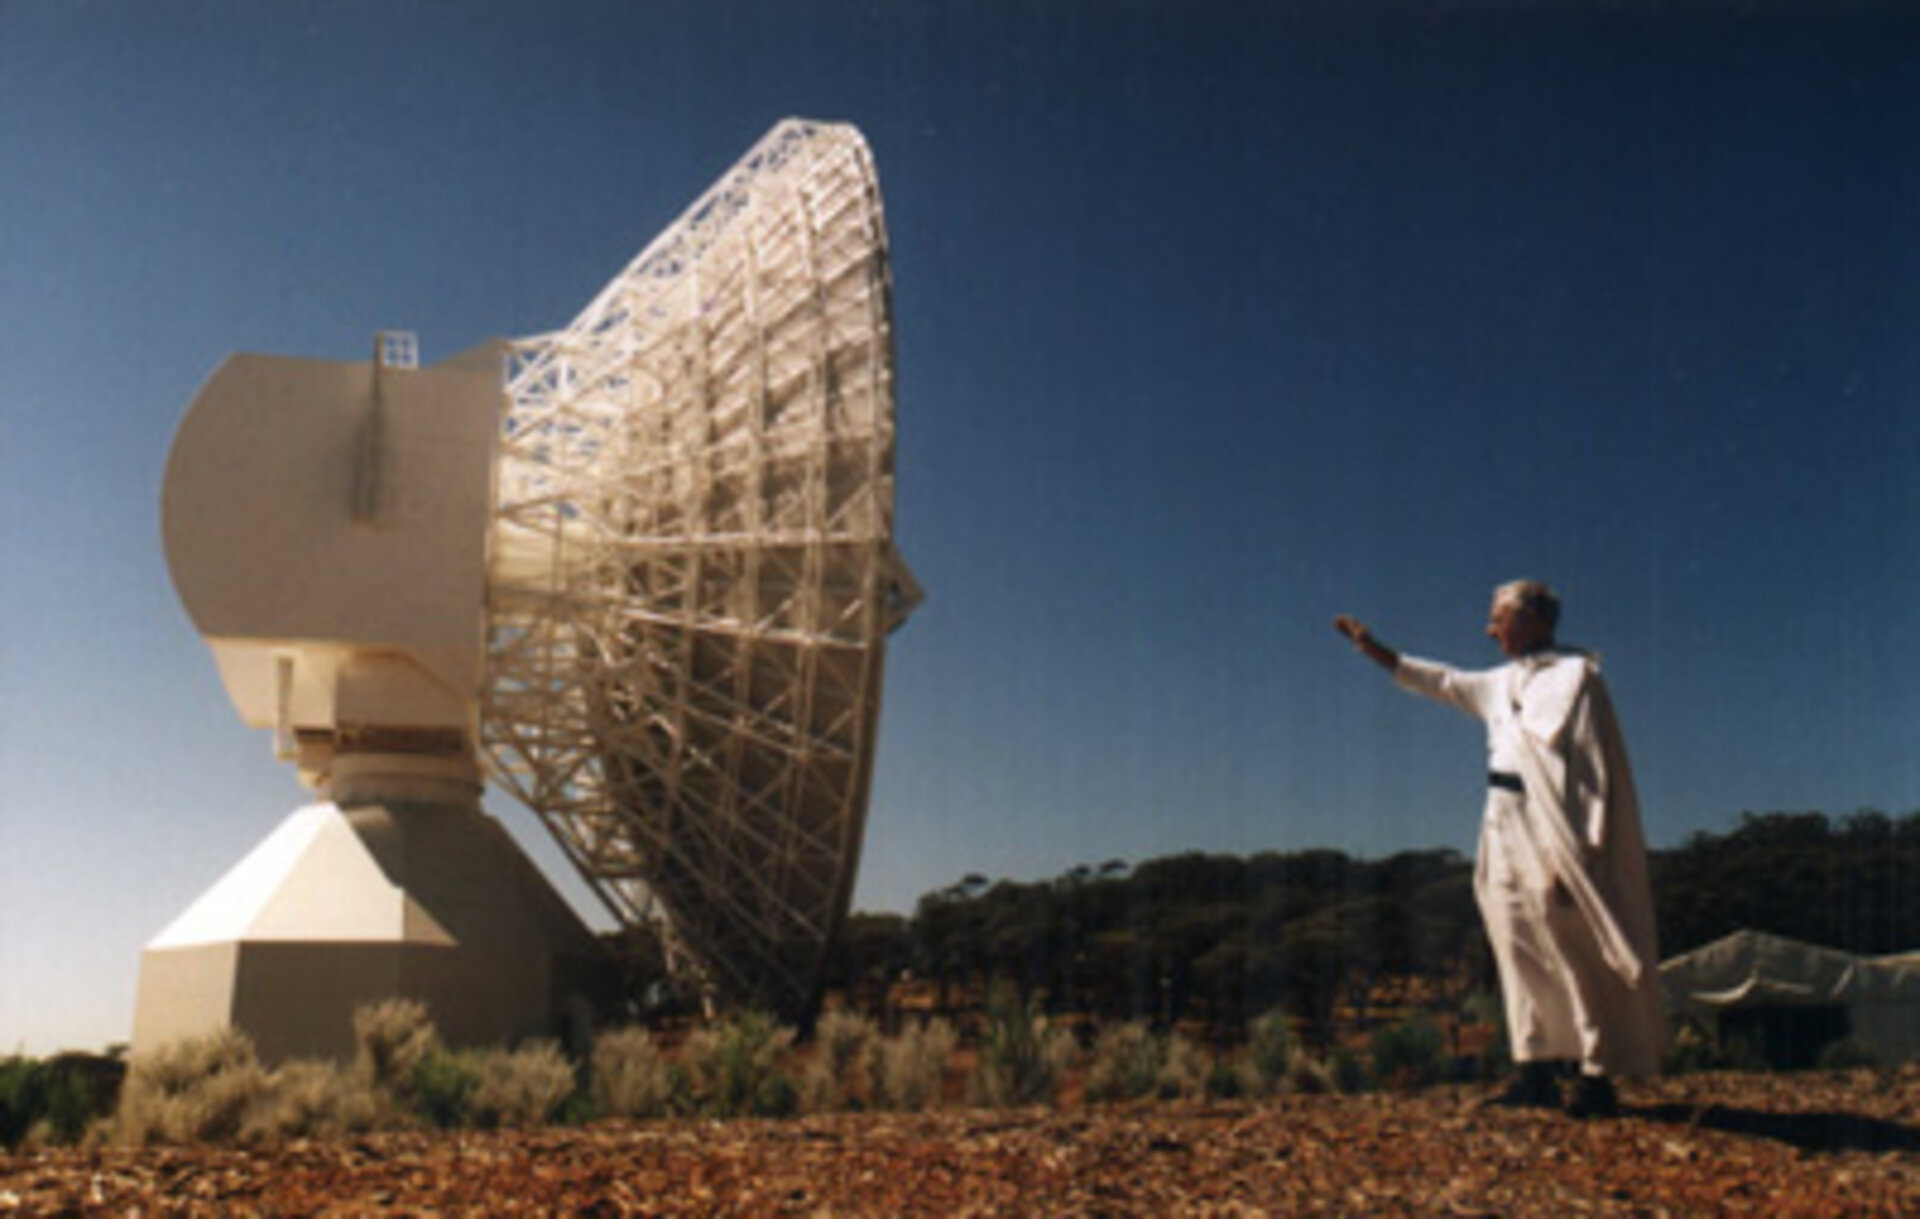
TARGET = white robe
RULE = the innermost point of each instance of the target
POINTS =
(1579, 969)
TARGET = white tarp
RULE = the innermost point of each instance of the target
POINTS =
(1751, 969)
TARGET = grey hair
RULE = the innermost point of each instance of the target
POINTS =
(1533, 597)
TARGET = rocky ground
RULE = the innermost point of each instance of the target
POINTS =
(1814, 1144)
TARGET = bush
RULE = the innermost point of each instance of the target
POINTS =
(841, 1041)
(311, 1100)
(1411, 1053)
(1127, 1061)
(1270, 1053)
(391, 1039)
(23, 1100)
(1348, 1072)
(1021, 1057)
(1310, 1076)
(442, 1087)
(79, 1092)
(908, 1071)
(195, 1090)
(630, 1075)
(1186, 1071)
(732, 1069)
(518, 1088)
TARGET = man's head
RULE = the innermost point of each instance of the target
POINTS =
(1523, 617)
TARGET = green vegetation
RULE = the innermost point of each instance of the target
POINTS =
(1189, 976)
(1410, 1054)
(442, 1087)
(56, 1100)
(1021, 1053)
(1844, 883)
(733, 1068)
(1216, 939)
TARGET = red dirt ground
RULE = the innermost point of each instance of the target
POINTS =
(1813, 1144)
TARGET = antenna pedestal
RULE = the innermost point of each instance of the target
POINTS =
(399, 885)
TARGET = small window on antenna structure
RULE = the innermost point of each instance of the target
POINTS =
(398, 349)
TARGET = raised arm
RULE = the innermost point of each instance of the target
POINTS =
(1362, 639)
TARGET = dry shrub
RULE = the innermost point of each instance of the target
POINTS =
(733, 1068)
(1186, 1070)
(1127, 1061)
(517, 1088)
(193, 1090)
(841, 1042)
(312, 1100)
(1270, 1055)
(631, 1077)
(908, 1072)
(1310, 1076)
(1022, 1056)
(391, 1039)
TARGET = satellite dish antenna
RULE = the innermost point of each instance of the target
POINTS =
(642, 569)
(693, 573)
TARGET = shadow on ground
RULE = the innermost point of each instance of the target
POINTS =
(1806, 1131)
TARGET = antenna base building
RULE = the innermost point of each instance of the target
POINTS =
(399, 885)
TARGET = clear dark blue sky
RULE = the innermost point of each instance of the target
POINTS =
(1215, 320)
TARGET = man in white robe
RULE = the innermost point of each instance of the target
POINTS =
(1561, 878)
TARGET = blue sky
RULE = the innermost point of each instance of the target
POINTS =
(1214, 320)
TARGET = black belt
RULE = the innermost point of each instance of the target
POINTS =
(1500, 778)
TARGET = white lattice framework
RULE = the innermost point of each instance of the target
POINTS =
(693, 573)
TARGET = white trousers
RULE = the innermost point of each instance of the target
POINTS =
(1556, 987)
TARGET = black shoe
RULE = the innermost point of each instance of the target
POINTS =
(1593, 1096)
(1533, 1088)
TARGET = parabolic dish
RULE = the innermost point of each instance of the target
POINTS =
(692, 573)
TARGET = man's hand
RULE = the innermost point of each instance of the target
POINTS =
(1362, 638)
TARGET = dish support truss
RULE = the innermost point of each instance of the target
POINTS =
(693, 572)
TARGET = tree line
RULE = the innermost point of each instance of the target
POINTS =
(1219, 939)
